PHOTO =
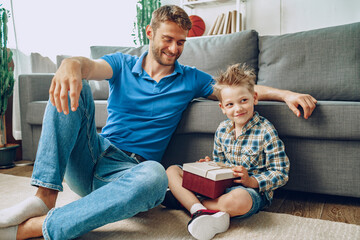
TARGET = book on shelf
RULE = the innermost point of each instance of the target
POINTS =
(226, 23)
(233, 21)
(222, 24)
(211, 31)
(217, 24)
(240, 22)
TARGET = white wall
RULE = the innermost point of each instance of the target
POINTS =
(289, 16)
(70, 27)
(273, 17)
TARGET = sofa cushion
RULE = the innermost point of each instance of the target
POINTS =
(100, 89)
(324, 62)
(40, 64)
(209, 54)
(213, 54)
(36, 109)
(60, 58)
(99, 51)
(330, 120)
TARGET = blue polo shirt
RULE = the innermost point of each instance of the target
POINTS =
(143, 114)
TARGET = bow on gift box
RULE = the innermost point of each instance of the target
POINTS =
(219, 166)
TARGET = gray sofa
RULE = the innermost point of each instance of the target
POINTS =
(324, 150)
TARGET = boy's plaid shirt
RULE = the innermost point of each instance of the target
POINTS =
(258, 149)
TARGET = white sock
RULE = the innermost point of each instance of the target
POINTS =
(8, 233)
(30, 207)
(196, 207)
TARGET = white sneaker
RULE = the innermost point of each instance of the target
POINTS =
(205, 224)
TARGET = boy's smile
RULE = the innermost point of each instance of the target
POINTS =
(238, 104)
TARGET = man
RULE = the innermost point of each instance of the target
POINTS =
(147, 97)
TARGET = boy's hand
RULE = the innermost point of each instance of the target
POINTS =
(245, 179)
(206, 159)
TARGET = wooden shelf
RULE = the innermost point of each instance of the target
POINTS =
(193, 4)
(200, 3)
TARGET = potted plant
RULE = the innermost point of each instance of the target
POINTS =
(7, 151)
(144, 9)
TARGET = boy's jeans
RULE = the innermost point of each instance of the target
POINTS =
(113, 185)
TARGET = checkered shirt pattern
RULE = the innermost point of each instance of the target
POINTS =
(258, 149)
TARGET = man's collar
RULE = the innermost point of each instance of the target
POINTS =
(177, 68)
(138, 66)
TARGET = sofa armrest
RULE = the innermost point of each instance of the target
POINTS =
(35, 87)
(32, 87)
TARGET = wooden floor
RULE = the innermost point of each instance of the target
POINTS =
(319, 206)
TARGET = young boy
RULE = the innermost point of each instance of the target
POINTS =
(250, 144)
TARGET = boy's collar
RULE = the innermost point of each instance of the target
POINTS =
(254, 120)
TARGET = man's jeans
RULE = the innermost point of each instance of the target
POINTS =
(113, 185)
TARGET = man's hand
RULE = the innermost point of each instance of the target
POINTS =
(67, 78)
(292, 99)
(206, 159)
(245, 179)
(306, 101)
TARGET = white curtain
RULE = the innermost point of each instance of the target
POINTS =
(39, 30)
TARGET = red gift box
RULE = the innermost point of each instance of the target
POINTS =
(207, 178)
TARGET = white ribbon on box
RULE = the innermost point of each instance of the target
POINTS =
(211, 170)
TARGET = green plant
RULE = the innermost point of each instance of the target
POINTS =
(6, 73)
(144, 9)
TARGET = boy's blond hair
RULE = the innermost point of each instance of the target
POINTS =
(170, 13)
(234, 76)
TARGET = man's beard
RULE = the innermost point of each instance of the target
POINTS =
(157, 56)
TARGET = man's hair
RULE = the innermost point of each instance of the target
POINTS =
(170, 13)
(234, 76)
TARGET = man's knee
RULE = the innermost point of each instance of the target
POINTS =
(155, 180)
(86, 101)
(156, 174)
(86, 96)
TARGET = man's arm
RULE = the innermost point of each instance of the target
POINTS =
(292, 99)
(69, 78)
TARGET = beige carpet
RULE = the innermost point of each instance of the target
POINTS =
(160, 223)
